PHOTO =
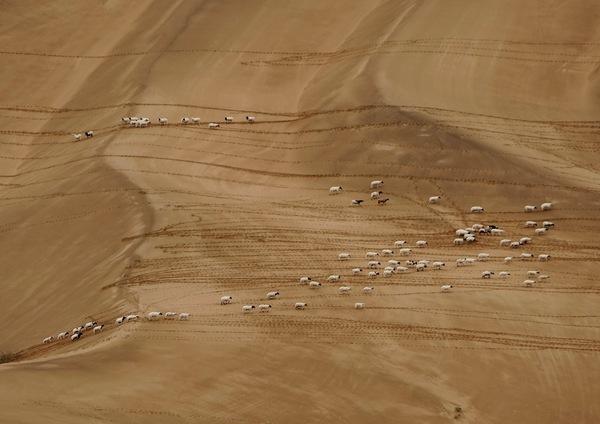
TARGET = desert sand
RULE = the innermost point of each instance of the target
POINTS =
(490, 102)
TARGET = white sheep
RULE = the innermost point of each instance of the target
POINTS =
(393, 262)
(399, 243)
(548, 224)
(48, 339)
(77, 136)
(476, 227)
(185, 120)
(421, 243)
(89, 325)
(131, 318)
(515, 244)
(483, 256)
(373, 264)
(356, 271)
(62, 335)
(477, 209)
(120, 320)
(213, 125)
(359, 305)
(154, 315)
(375, 195)
(250, 119)
(542, 277)
(335, 189)
(546, 206)
(170, 315)
(356, 202)
(526, 256)
(248, 308)
(540, 231)
(470, 239)
(420, 267)
(524, 240)
(528, 283)
(89, 134)
(314, 285)
(508, 259)
(446, 288)
(530, 208)
(461, 232)
(544, 257)
(305, 280)
(470, 261)
(530, 224)
(163, 121)
(532, 274)
(98, 329)
(388, 272)
(344, 256)
(344, 289)
(264, 307)
(401, 269)
(376, 183)
(372, 274)
(371, 255)
(226, 300)
(76, 336)
(461, 262)
(438, 265)
(333, 278)
(272, 295)
(195, 120)
(405, 251)
(77, 330)
(435, 199)
(487, 274)
(458, 241)
(504, 274)
(387, 252)
(300, 305)
(505, 242)
(229, 119)
(496, 231)
(368, 289)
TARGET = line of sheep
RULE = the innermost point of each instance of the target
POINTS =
(135, 121)
(78, 332)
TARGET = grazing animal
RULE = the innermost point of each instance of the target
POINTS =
(546, 206)
(300, 305)
(421, 243)
(382, 202)
(356, 271)
(226, 300)
(120, 320)
(548, 224)
(540, 231)
(530, 208)
(446, 288)
(530, 224)
(435, 199)
(170, 315)
(359, 305)
(62, 335)
(458, 241)
(368, 289)
(487, 274)
(543, 277)
(526, 256)
(399, 243)
(264, 307)
(387, 252)
(401, 269)
(89, 134)
(420, 267)
(272, 295)
(371, 254)
(515, 245)
(544, 257)
(528, 283)
(163, 121)
(335, 189)
(477, 209)
(508, 259)
(305, 280)
(250, 119)
(154, 315)
(185, 120)
(505, 242)
(333, 278)
(532, 274)
(344, 256)
(77, 137)
(388, 272)
(213, 125)
(376, 195)
(496, 231)
(98, 329)
(314, 285)
(405, 251)
(376, 183)
(90, 325)
(373, 264)
(504, 274)
(76, 336)
(248, 308)
(344, 289)
(132, 318)
(524, 240)
(393, 262)
(357, 202)
(373, 274)
(483, 256)
(438, 265)
(195, 120)
(228, 119)
(48, 340)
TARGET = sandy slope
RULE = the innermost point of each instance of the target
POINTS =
(489, 102)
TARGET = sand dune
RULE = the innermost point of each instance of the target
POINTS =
(489, 102)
